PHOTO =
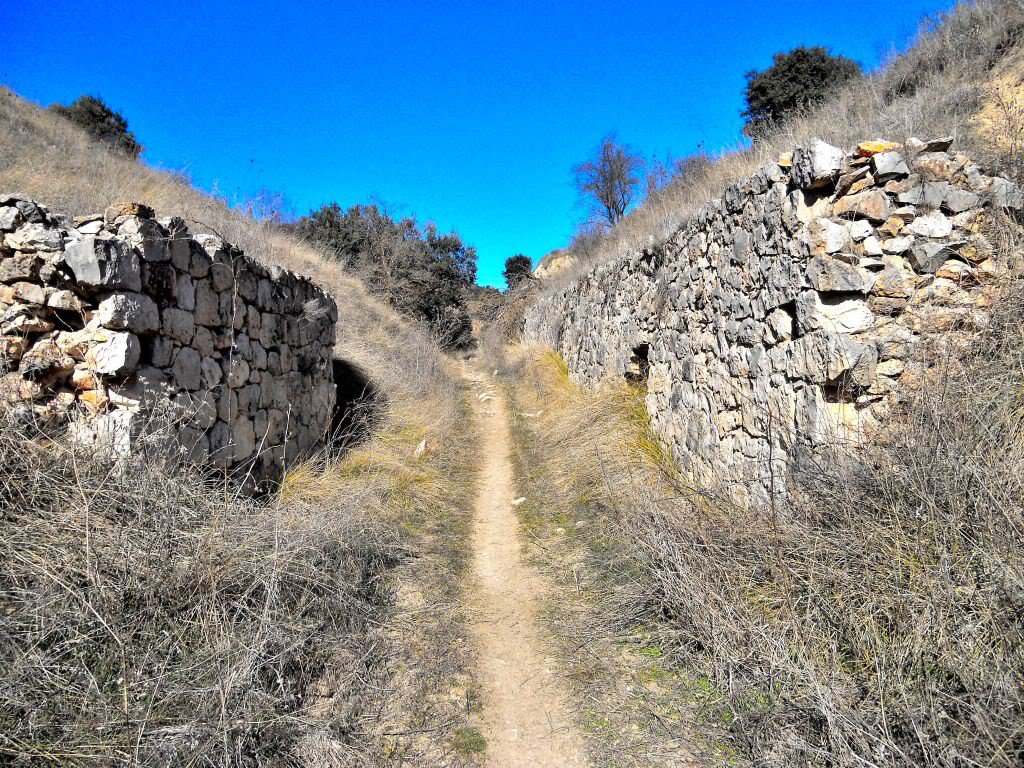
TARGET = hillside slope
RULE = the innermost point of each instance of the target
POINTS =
(959, 77)
(870, 617)
(222, 614)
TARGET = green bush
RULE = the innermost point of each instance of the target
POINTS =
(91, 114)
(796, 79)
(517, 269)
(421, 272)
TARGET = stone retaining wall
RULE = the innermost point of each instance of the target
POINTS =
(787, 313)
(109, 320)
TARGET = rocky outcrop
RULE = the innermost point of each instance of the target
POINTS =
(787, 313)
(115, 322)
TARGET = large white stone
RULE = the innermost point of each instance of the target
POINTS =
(116, 354)
(934, 225)
(816, 164)
(133, 312)
(837, 315)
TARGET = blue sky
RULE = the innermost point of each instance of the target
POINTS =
(468, 114)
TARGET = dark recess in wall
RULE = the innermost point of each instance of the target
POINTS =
(357, 408)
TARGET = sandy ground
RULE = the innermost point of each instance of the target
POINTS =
(526, 719)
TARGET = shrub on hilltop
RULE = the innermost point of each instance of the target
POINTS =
(91, 114)
(799, 78)
(420, 271)
(517, 269)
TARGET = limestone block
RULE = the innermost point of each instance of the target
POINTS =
(10, 218)
(159, 351)
(928, 257)
(193, 445)
(817, 164)
(203, 341)
(222, 275)
(872, 205)
(870, 148)
(199, 265)
(30, 238)
(827, 236)
(29, 293)
(19, 266)
(860, 230)
(160, 283)
(186, 369)
(830, 275)
(933, 225)
(211, 372)
(45, 357)
(197, 408)
(65, 300)
(221, 447)
(889, 165)
(178, 325)
(119, 211)
(113, 433)
(207, 311)
(936, 166)
(897, 245)
(872, 246)
(104, 264)
(125, 311)
(227, 405)
(960, 200)
(147, 237)
(185, 290)
(837, 314)
(148, 387)
(115, 354)
(1006, 194)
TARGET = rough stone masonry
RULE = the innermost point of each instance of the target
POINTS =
(125, 326)
(789, 312)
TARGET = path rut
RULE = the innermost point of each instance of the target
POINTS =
(526, 718)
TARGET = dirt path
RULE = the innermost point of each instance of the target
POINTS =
(526, 720)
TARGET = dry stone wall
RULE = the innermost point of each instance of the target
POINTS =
(117, 321)
(788, 312)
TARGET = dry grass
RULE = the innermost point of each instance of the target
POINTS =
(636, 705)
(935, 88)
(366, 542)
(874, 621)
(876, 618)
(148, 618)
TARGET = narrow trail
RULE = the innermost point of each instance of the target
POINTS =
(526, 719)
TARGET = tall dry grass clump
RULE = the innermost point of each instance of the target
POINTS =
(935, 88)
(148, 618)
(270, 633)
(877, 618)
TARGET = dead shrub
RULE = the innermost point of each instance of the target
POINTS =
(150, 619)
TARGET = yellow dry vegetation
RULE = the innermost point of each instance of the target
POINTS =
(420, 495)
(1000, 120)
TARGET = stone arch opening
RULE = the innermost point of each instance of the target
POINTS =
(639, 368)
(357, 408)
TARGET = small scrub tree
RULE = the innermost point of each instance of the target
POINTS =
(517, 269)
(796, 79)
(91, 114)
(609, 180)
(421, 272)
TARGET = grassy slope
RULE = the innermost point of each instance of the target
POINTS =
(953, 80)
(877, 621)
(386, 524)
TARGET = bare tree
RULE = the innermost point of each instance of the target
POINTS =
(610, 179)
